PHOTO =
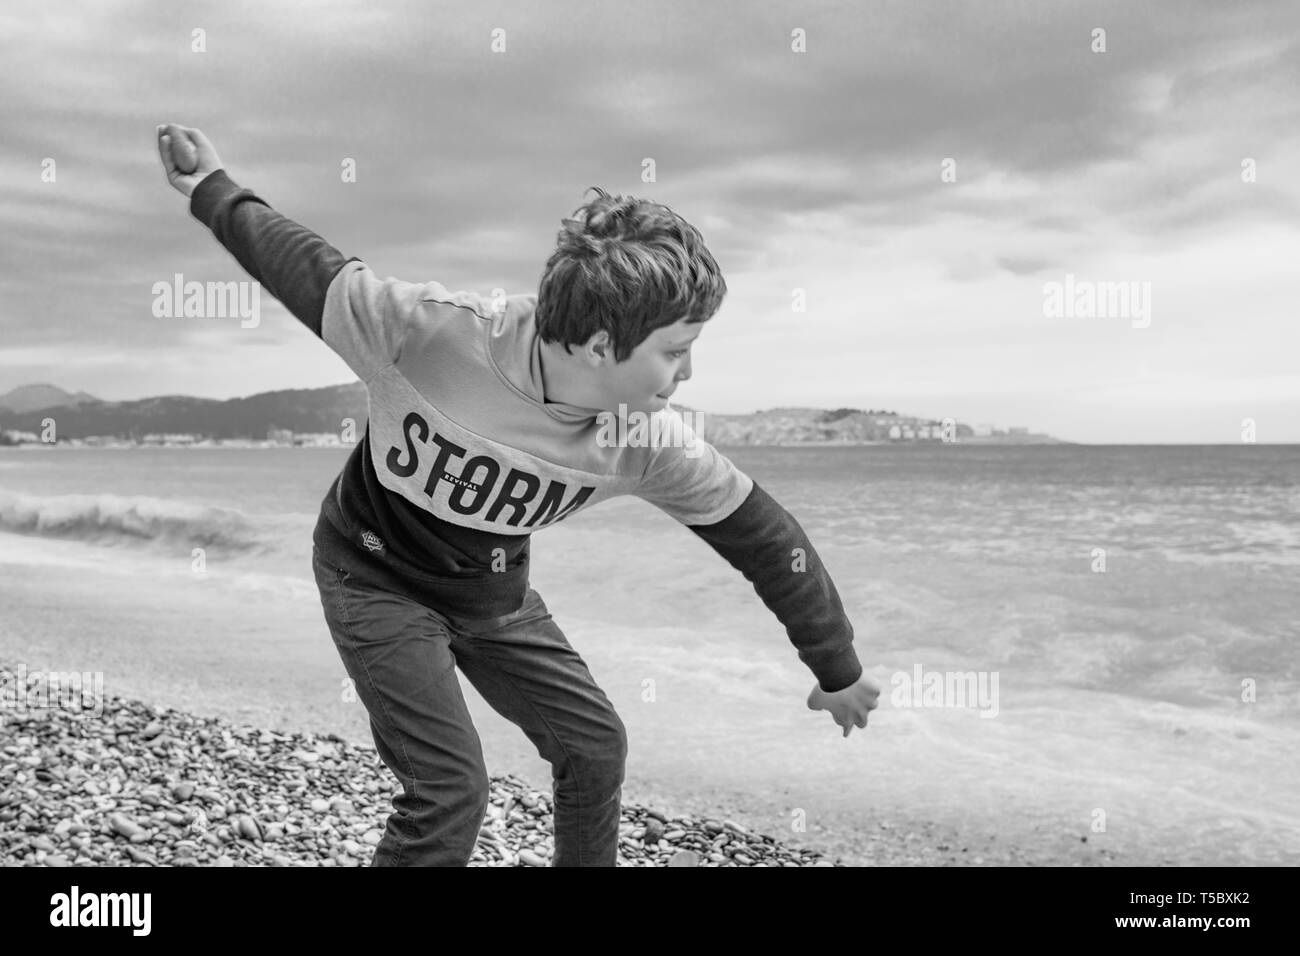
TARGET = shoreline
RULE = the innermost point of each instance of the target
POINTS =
(272, 669)
(137, 727)
(919, 788)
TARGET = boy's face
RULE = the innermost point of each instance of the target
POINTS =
(646, 379)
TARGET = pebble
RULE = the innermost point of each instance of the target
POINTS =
(124, 825)
(140, 856)
(529, 858)
(248, 828)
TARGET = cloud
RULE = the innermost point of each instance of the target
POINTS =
(1027, 265)
(818, 170)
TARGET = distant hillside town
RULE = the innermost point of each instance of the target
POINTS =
(336, 416)
(852, 426)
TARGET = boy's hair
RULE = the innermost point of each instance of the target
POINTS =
(628, 266)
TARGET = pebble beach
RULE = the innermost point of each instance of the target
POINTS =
(142, 785)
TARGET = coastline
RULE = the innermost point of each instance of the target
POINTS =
(264, 665)
(268, 677)
(809, 443)
(1098, 712)
(132, 782)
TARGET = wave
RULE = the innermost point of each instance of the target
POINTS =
(139, 519)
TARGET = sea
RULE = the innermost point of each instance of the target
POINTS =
(1081, 649)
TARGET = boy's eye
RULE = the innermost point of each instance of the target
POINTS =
(677, 353)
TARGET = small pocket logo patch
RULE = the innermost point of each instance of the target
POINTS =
(372, 541)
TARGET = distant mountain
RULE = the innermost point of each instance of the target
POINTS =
(26, 398)
(298, 410)
(323, 410)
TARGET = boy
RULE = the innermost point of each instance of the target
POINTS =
(482, 429)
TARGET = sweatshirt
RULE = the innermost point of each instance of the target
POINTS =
(464, 458)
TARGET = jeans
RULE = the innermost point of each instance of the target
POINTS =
(402, 655)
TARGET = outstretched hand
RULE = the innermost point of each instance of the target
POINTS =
(850, 705)
(187, 156)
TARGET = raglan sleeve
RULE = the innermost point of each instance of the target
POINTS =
(361, 317)
(765, 543)
(687, 478)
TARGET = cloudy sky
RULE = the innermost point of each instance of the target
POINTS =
(820, 171)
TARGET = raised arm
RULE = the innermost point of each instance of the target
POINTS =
(292, 262)
(360, 316)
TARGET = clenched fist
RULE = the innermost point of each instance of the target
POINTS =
(187, 156)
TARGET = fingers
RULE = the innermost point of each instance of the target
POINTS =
(173, 132)
(181, 138)
(164, 151)
(206, 152)
(855, 722)
(196, 135)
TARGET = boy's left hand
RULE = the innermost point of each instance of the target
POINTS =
(849, 706)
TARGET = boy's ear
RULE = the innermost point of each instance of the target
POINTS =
(600, 343)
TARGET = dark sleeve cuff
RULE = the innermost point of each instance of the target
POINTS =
(209, 193)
